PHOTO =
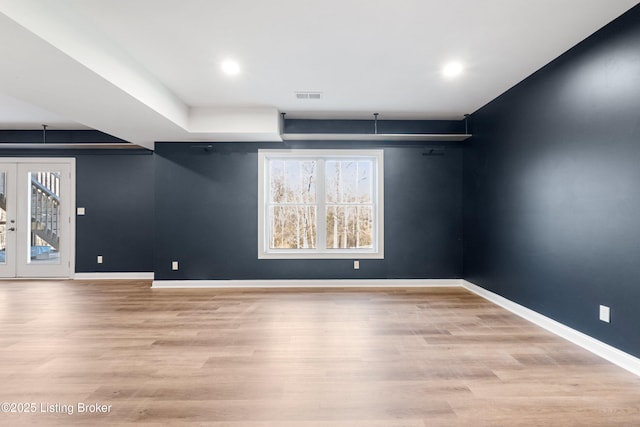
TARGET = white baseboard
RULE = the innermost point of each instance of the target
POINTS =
(114, 276)
(607, 352)
(325, 283)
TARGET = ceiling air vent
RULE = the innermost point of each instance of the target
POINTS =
(308, 95)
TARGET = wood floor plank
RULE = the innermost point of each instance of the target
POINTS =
(294, 357)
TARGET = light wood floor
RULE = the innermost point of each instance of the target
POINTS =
(322, 358)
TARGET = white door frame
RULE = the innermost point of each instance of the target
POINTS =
(68, 211)
(8, 268)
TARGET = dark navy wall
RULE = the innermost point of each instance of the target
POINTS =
(117, 192)
(207, 217)
(552, 188)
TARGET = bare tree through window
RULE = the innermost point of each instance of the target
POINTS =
(349, 204)
(293, 208)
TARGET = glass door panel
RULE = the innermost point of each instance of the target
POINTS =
(44, 217)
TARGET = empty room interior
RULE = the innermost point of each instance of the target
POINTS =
(326, 214)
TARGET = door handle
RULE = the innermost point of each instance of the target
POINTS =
(12, 229)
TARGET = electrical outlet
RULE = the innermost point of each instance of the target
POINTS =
(174, 265)
(99, 259)
(80, 211)
(356, 265)
(605, 313)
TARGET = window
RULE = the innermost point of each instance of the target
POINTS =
(320, 204)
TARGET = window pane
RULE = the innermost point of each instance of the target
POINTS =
(341, 178)
(349, 227)
(292, 227)
(348, 181)
(365, 188)
(292, 181)
(332, 181)
(300, 181)
(276, 181)
(308, 180)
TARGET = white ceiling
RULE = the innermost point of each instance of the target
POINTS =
(149, 70)
(19, 115)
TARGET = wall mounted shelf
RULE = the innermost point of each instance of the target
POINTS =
(72, 146)
(374, 130)
(373, 137)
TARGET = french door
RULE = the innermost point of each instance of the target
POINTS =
(36, 223)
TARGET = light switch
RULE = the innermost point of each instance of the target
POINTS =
(80, 211)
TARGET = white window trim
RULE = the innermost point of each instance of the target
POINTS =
(378, 182)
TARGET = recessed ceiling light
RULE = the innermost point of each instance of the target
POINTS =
(230, 67)
(452, 69)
